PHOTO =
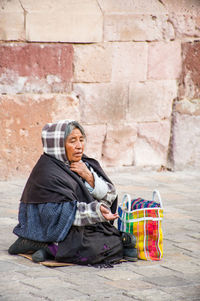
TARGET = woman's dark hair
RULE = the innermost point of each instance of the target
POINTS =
(74, 125)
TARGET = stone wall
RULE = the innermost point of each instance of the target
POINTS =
(128, 70)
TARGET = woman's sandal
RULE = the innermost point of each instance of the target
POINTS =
(129, 249)
(23, 245)
(42, 255)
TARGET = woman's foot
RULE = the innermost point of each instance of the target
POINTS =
(129, 249)
(23, 245)
(130, 254)
(128, 240)
(42, 255)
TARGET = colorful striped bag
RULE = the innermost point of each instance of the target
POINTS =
(143, 219)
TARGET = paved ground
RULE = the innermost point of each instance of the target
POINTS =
(176, 277)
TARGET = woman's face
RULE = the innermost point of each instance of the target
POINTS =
(74, 146)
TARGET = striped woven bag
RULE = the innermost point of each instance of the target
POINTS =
(143, 219)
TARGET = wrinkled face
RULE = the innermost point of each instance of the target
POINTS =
(74, 146)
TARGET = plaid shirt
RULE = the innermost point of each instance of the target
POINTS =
(104, 193)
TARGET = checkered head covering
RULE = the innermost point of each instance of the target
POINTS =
(53, 139)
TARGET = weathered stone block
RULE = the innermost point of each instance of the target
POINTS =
(65, 106)
(136, 6)
(190, 80)
(151, 147)
(129, 61)
(102, 103)
(11, 21)
(182, 6)
(188, 107)
(132, 27)
(21, 120)
(63, 21)
(119, 144)
(151, 100)
(95, 134)
(186, 142)
(92, 63)
(164, 60)
(185, 25)
(35, 68)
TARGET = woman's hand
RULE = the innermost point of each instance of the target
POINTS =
(107, 214)
(81, 169)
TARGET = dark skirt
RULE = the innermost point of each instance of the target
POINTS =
(99, 243)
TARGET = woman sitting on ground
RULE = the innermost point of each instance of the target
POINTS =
(68, 205)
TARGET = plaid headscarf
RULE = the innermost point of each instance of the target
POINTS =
(53, 139)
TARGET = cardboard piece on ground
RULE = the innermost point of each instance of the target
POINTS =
(48, 263)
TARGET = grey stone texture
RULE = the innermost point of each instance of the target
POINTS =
(175, 278)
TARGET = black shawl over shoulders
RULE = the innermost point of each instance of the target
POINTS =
(51, 180)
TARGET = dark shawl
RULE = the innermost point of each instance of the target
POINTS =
(48, 203)
(51, 180)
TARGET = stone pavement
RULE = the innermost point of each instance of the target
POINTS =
(175, 278)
